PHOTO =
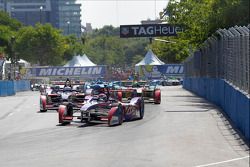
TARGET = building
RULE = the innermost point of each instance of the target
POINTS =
(66, 15)
(88, 28)
(2, 6)
(62, 14)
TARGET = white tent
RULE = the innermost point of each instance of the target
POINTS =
(150, 59)
(21, 62)
(79, 61)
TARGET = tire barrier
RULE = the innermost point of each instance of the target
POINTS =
(9, 88)
(234, 103)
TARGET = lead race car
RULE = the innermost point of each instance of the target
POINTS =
(102, 108)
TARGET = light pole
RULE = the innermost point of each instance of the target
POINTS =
(68, 23)
(41, 8)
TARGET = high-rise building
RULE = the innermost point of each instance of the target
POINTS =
(62, 14)
(66, 15)
(2, 6)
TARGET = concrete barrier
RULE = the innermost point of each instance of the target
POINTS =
(233, 102)
(9, 88)
(21, 85)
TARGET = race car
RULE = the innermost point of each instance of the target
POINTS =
(102, 109)
(129, 89)
(125, 90)
(152, 93)
(55, 95)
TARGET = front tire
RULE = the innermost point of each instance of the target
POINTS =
(116, 112)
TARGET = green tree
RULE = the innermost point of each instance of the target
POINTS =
(8, 29)
(104, 46)
(105, 50)
(227, 14)
(6, 20)
(174, 52)
(42, 44)
(200, 19)
(73, 47)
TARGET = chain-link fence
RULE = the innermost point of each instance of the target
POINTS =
(224, 55)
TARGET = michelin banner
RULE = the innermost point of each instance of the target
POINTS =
(160, 71)
(84, 72)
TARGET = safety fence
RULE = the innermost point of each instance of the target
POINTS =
(224, 55)
(220, 72)
(9, 88)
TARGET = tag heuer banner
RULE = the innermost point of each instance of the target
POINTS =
(148, 30)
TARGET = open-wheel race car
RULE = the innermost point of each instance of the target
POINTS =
(57, 94)
(103, 109)
(129, 89)
(151, 92)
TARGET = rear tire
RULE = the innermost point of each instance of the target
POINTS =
(43, 105)
(157, 97)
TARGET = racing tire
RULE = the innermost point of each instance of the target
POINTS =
(117, 111)
(157, 97)
(61, 115)
(43, 105)
(141, 108)
(61, 111)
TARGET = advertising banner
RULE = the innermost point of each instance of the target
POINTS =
(160, 71)
(84, 72)
(148, 30)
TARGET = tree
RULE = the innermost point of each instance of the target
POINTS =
(73, 47)
(200, 19)
(171, 52)
(42, 44)
(228, 14)
(104, 46)
(6, 20)
(8, 29)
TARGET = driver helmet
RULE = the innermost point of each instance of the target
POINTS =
(103, 97)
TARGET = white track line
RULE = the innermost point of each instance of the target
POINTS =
(222, 162)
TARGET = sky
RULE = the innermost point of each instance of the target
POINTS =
(119, 12)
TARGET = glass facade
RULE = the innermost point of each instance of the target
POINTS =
(68, 16)
(62, 14)
(2, 5)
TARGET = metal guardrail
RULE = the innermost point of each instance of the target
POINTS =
(224, 55)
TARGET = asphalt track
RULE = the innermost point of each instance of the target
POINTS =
(183, 131)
